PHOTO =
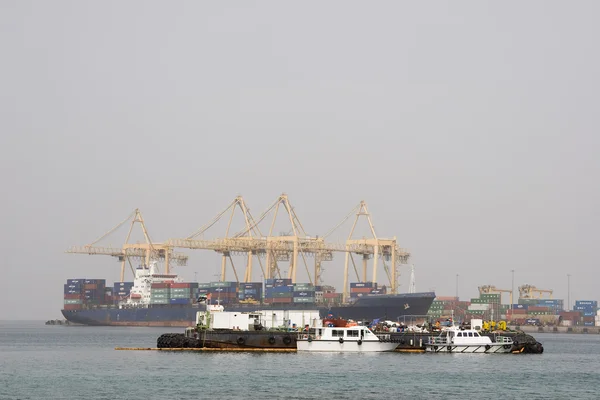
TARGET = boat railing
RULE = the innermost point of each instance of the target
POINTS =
(504, 339)
(438, 340)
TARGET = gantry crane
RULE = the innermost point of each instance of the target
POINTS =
(375, 248)
(295, 244)
(490, 289)
(251, 241)
(531, 292)
(142, 251)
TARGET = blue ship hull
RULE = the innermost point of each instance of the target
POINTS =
(390, 307)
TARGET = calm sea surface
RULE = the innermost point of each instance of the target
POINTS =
(67, 362)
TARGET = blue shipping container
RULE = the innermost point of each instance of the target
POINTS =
(593, 303)
(251, 285)
(95, 281)
(179, 301)
(78, 281)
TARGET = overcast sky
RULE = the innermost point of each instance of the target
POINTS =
(470, 128)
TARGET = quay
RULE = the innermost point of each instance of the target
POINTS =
(198, 349)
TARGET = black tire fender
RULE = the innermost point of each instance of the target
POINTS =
(449, 348)
(241, 340)
(272, 340)
(341, 340)
(287, 340)
(359, 342)
(487, 347)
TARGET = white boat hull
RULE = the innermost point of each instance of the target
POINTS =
(480, 348)
(346, 346)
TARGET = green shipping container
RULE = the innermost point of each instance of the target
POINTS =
(304, 299)
(222, 284)
(180, 295)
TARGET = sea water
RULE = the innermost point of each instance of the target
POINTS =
(80, 362)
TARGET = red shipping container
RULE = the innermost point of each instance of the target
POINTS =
(74, 296)
(538, 308)
(446, 298)
(570, 315)
(180, 285)
(516, 311)
(160, 285)
(361, 290)
(331, 295)
(72, 307)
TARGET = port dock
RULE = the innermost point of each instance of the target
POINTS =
(200, 349)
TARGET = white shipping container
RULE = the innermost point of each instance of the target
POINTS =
(267, 318)
(479, 307)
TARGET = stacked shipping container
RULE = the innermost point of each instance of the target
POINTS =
(303, 293)
(279, 291)
(359, 289)
(80, 293)
(250, 291)
(223, 292)
(589, 312)
(173, 292)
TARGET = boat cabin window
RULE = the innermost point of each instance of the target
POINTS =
(337, 333)
(470, 334)
(353, 333)
(320, 332)
(459, 334)
(476, 334)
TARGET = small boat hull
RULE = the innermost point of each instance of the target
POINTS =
(493, 348)
(346, 346)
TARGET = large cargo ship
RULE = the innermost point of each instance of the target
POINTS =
(155, 299)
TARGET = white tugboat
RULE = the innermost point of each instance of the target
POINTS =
(343, 339)
(457, 339)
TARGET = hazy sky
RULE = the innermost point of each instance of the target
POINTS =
(470, 128)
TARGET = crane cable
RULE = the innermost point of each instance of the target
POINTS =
(342, 222)
(113, 229)
(202, 229)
